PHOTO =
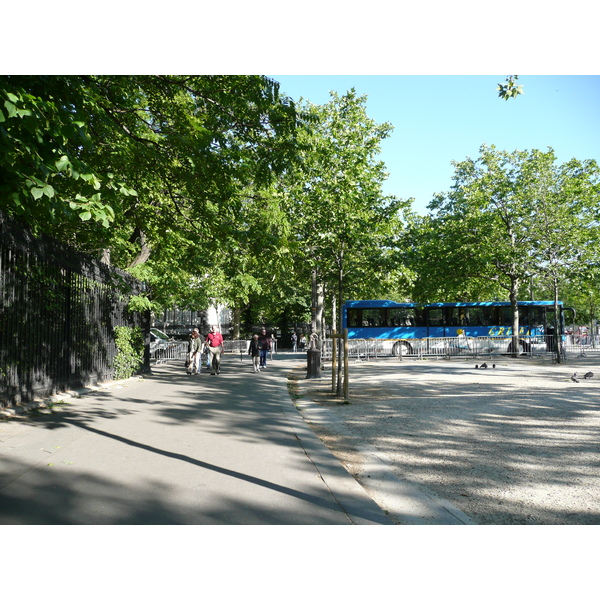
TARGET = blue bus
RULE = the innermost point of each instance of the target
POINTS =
(409, 328)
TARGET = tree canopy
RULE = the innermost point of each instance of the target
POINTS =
(508, 218)
(219, 189)
(151, 171)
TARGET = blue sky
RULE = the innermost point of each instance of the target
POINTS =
(438, 119)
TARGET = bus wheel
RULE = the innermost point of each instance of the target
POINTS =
(401, 349)
(525, 347)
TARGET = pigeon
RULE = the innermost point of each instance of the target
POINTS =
(494, 366)
(477, 366)
(483, 366)
(588, 375)
(574, 378)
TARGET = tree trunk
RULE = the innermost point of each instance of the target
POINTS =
(319, 315)
(557, 329)
(339, 389)
(514, 290)
(145, 249)
(237, 320)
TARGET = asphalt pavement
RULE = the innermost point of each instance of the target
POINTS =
(229, 449)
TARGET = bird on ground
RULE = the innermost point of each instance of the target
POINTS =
(494, 366)
(574, 378)
(477, 366)
(483, 366)
(588, 375)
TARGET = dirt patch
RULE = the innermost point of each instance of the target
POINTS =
(516, 443)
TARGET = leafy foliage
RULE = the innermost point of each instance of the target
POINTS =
(163, 160)
(345, 227)
(130, 356)
(510, 89)
(217, 189)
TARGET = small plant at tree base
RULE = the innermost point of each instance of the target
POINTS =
(130, 356)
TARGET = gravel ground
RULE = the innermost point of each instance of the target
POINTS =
(512, 445)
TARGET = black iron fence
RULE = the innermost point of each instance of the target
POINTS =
(58, 313)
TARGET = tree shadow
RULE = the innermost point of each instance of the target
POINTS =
(250, 410)
(529, 439)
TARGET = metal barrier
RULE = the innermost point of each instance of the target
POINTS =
(236, 346)
(582, 345)
(446, 347)
(177, 350)
(174, 351)
(371, 349)
(241, 347)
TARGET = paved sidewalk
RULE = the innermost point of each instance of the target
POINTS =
(175, 449)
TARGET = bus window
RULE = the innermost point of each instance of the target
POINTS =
(435, 317)
(458, 315)
(536, 316)
(354, 317)
(403, 317)
(506, 318)
(373, 317)
(482, 316)
(453, 316)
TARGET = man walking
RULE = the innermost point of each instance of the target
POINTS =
(264, 343)
(214, 343)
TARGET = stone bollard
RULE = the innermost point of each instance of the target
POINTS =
(313, 366)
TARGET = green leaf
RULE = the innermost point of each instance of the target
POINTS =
(10, 108)
(62, 163)
(37, 193)
(85, 216)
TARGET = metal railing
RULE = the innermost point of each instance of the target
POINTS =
(177, 350)
(59, 311)
(446, 347)
(582, 345)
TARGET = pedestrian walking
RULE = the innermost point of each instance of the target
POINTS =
(194, 353)
(214, 343)
(302, 342)
(264, 342)
(294, 342)
(254, 352)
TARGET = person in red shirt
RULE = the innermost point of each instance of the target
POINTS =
(214, 343)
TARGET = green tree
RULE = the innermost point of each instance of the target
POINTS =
(171, 157)
(509, 217)
(345, 227)
(42, 136)
(565, 200)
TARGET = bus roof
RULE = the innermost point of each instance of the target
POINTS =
(392, 304)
